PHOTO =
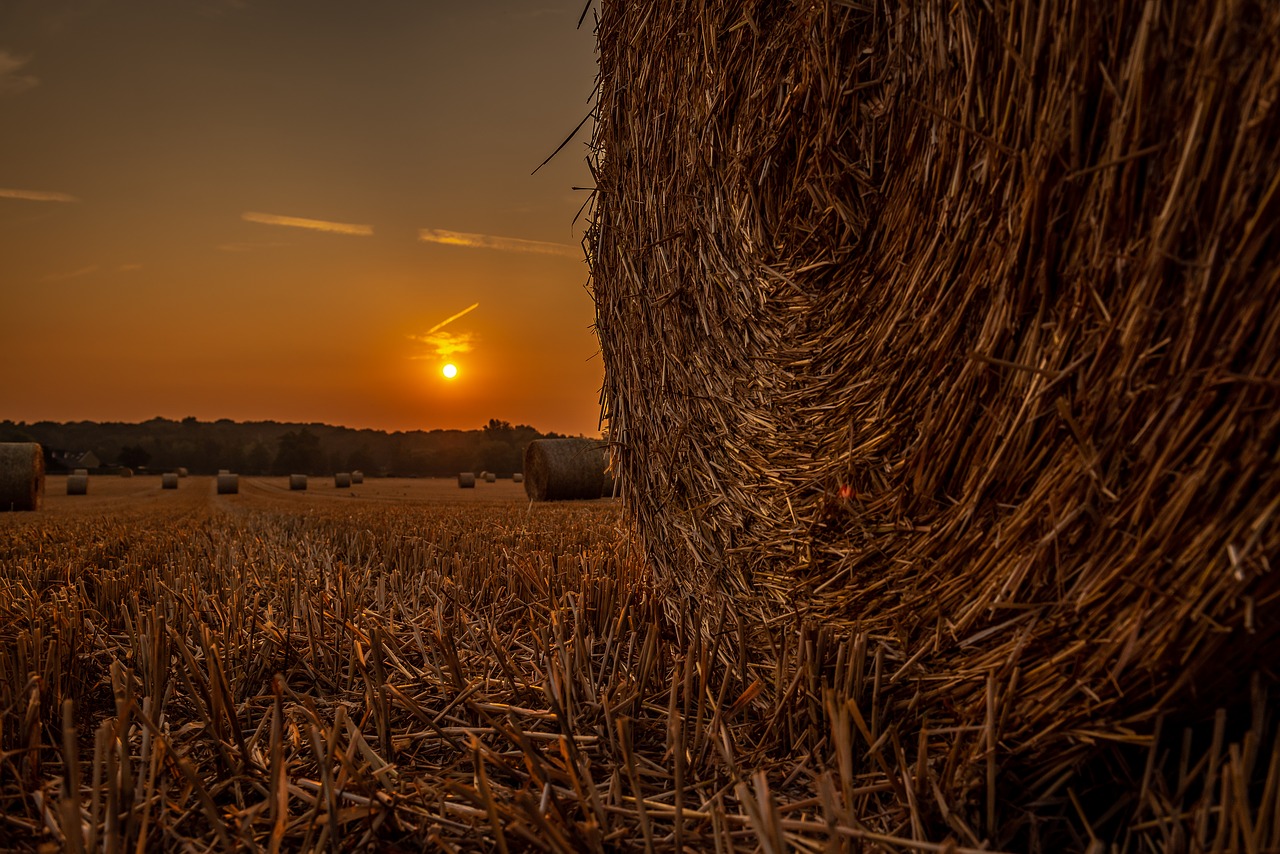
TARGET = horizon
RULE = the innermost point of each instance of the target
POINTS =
(18, 424)
(297, 213)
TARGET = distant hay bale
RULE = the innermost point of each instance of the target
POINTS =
(342, 480)
(169, 480)
(228, 484)
(490, 477)
(297, 481)
(224, 471)
(21, 476)
(467, 480)
(84, 472)
(182, 472)
(566, 470)
(357, 477)
(125, 471)
(959, 325)
(77, 484)
(517, 478)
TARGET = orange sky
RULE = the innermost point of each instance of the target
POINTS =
(257, 209)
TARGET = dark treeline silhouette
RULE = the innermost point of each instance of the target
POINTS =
(269, 447)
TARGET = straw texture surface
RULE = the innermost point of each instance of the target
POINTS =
(954, 327)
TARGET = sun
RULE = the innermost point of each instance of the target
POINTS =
(450, 371)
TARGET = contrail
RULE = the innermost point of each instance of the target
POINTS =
(452, 319)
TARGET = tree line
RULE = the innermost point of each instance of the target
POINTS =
(274, 448)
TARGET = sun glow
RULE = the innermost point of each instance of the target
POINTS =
(450, 371)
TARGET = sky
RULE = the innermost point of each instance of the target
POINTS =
(296, 210)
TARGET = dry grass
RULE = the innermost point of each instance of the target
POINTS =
(286, 671)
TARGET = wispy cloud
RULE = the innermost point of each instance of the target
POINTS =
(128, 268)
(12, 81)
(313, 224)
(74, 274)
(36, 195)
(445, 344)
(501, 244)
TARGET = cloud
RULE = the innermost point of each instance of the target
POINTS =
(74, 274)
(445, 344)
(501, 244)
(11, 81)
(36, 195)
(128, 268)
(313, 224)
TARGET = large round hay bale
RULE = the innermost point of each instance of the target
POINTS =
(182, 471)
(228, 484)
(21, 476)
(566, 469)
(77, 484)
(342, 480)
(467, 480)
(169, 480)
(297, 481)
(517, 478)
(954, 325)
(490, 477)
(125, 471)
(357, 477)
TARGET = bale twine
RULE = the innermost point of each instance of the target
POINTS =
(182, 472)
(169, 480)
(490, 477)
(77, 484)
(21, 476)
(566, 469)
(956, 322)
(357, 477)
(467, 480)
(228, 484)
(297, 481)
(517, 478)
(342, 480)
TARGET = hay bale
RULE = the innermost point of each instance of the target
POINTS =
(228, 484)
(342, 480)
(955, 322)
(467, 480)
(566, 469)
(126, 472)
(169, 480)
(517, 478)
(84, 472)
(77, 484)
(490, 477)
(21, 476)
(297, 481)
(224, 471)
(182, 472)
(357, 477)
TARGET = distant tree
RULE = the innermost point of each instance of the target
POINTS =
(258, 460)
(299, 453)
(498, 431)
(360, 460)
(134, 456)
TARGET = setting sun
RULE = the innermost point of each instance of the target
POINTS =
(450, 371)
